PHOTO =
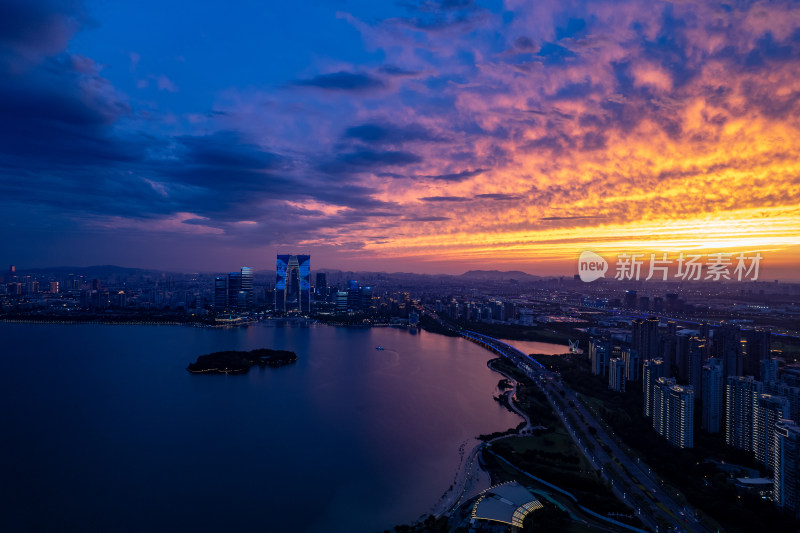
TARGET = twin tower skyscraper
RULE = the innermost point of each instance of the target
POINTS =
(293, 283)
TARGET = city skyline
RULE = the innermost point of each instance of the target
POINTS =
(434, 137)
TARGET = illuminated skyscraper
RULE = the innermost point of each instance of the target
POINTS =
(632, 365)
(768, 411)
(680, 416)
(293, 284)
(353, 295)
(246, 290)
(616, 374)
(341, 301)
(673, 412)
(661, 404)
(652, 370)
(741, 394)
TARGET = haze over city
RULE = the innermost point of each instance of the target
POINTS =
(408, 136)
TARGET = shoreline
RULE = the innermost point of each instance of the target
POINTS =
(468, 475)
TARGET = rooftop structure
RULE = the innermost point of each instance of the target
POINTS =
(508, 503)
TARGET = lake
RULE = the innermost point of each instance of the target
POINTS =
(103, 429)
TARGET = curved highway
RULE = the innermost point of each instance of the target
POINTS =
(631, 480)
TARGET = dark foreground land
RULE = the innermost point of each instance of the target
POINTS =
(239, 362)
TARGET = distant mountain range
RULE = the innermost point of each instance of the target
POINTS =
(103, 271)
(498, 275)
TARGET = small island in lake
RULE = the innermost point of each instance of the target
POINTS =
(239, 362)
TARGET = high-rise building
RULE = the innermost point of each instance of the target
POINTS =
(768, 411)
(712, 393)
(661, 404)
(630, 299)
(790, 392)
(321, 287)
(365, 299)
(757, 349)
(669, 347)
(616, 374)
(652, 370)
(786, 467)
(696, 354)
(292, 284)
(645, 338)
(680, 416)
(234, 287)
(741, 394)
(728, 347)
(220, 293)
(353, 295)
(246, 275)
(673, 412)
(630, 358)
(234, 291)
(768, 370)
(341, 301)
(599, 355)
(680, 361)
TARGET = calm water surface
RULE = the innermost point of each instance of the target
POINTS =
(102, 428)
(530, 347)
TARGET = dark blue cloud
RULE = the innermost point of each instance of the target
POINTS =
(442, 15)
(386, 133)
(498, 196)
(394, 70)
(342, 81)
(432, 218)
(444, 199)
(368, 161)
(456, 176)
(228, 150)
(41, 26)
(526, 44)
(436, 6)
(57, 109)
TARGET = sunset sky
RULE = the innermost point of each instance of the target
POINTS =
(423, 136)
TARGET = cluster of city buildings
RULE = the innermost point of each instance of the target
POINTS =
(731, 373)
(293, 291)
(236, 293)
